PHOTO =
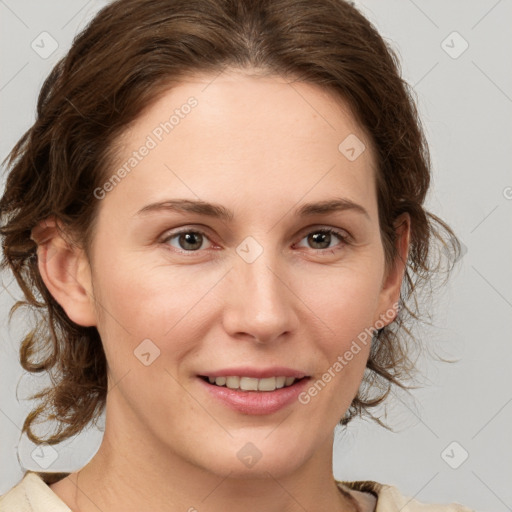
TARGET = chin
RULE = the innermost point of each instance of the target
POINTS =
(246, 459)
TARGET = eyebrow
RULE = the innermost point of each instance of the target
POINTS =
(220, 212)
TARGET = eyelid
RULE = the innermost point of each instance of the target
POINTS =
(186, 229)
(343, 233)
(344, 236)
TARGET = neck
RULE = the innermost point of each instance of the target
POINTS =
(130, 475)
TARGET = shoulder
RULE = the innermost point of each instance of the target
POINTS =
(390, 499)
(33, 494)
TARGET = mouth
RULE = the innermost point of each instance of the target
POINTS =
(247, 384)
(249, 395)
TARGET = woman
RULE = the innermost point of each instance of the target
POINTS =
(219, 215)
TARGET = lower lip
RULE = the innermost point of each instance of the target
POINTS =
(256, 402)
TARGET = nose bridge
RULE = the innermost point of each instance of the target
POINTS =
(262, 305)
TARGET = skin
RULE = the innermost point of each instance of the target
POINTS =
(260, 147)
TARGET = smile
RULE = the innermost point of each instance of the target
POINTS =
(253, 396)
(252, 383)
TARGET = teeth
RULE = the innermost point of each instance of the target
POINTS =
(280, 382)
(268, 384)
(232, 382)
(252, 384)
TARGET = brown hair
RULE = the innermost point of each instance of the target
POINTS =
(131, 52)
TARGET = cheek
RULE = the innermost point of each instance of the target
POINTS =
(342, 311)
(344, 302)
(159, 303)
(146, 298)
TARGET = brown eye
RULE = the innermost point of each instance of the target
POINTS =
(322, 239)
(189, 241)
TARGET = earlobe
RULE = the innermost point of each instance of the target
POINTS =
(65, 271)
(390, 293)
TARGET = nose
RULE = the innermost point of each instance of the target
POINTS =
(261, 305)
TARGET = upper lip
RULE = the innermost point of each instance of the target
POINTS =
(257, 373)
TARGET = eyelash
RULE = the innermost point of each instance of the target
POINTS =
(343, 236)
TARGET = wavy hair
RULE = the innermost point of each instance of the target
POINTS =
(132, 51)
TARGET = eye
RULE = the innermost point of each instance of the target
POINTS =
(186, 240)
(322, 238)
(193, 240)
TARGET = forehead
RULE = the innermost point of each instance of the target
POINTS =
(211, 136)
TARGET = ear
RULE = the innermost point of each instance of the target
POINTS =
(65, 271)
(392, 282)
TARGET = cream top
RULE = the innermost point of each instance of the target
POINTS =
(33, 494)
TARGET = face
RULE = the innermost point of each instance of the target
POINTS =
(209, 259)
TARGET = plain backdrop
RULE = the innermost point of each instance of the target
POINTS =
(452, 439)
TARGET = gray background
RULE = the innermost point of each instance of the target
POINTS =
(465, 100)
